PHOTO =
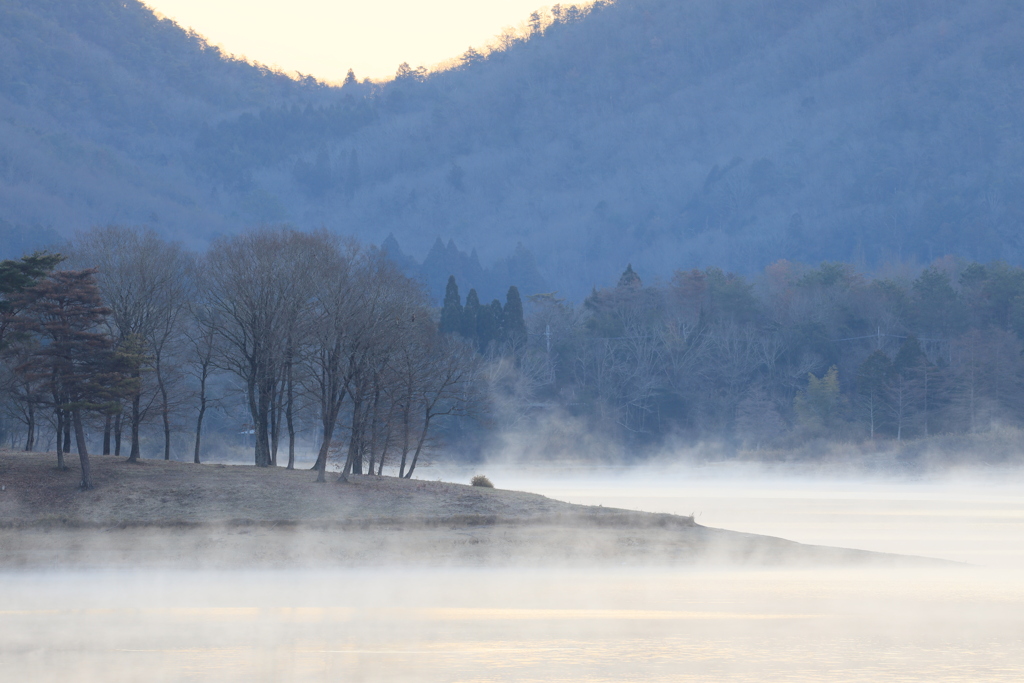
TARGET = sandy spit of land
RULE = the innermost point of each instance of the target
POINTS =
(172, 514)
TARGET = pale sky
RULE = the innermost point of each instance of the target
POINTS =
(324, 38)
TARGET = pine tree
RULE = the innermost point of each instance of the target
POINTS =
(76, 358)
(909, 357)
(629, 279)
(513, 319)
(17, 276)
(470, 314)
(451, 312)
(489, 325)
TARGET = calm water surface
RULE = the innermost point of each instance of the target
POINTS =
(961, 623)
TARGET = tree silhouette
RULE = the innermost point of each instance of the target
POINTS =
(514, 322)
(75, 357)
(451, 311)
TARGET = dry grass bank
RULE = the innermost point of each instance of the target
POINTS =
(158, 513)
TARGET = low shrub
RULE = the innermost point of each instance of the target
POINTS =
(481, 480)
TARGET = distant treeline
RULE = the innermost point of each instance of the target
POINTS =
(797, 353)
(307, 342)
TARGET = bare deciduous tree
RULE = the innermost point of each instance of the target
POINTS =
(258, 286)
(146, 282)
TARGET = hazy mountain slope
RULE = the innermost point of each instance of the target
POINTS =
(669, 133)
(676, 134)
(100, 104)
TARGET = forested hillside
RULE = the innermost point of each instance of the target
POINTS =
(100, 107)
(794, 355)
(672, 134)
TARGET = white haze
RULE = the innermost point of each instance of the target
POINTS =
(972, 515)
(942, 623)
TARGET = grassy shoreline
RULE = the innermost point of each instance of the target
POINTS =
(171, 514)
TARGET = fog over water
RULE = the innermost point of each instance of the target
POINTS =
(941, 623)
(972, 515)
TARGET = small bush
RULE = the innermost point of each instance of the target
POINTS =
(481, 480)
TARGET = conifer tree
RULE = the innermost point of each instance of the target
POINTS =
(451, 312)
(76, 357)
(17, 276)
(470, 314)
(489, 325)
(909, 357)
(514, 322)
(629, 279)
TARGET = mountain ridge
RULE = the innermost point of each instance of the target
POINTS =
(668, 134)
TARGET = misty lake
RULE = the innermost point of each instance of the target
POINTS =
(943, 623)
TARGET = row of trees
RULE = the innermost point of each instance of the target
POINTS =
(310, 343)
(793, 354)
(488, 326)
(281, 323)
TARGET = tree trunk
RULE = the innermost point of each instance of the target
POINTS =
(83, 452)
(107, 426)
(67, 432)
(321, 460)
(117, 434)
(383, 454)
(263, 425)
(167, 436)
(60, 441)
(371, 466)
(354, 462)
(199, 418)
(134, 455)
(406, 419)
(290, 418)
(419, 445)
(30, 438)
(384, 443)
(275, 425)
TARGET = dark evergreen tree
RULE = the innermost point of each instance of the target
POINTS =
(77, 360)
(909, 357)
(451, 312)
(17, 276)
(513, 320)
(470, 314)
(629, 279)
(489, 325)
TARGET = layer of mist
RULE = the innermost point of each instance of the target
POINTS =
(955, 623)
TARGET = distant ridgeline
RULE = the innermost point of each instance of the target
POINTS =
(443, 262)
(664, 133)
